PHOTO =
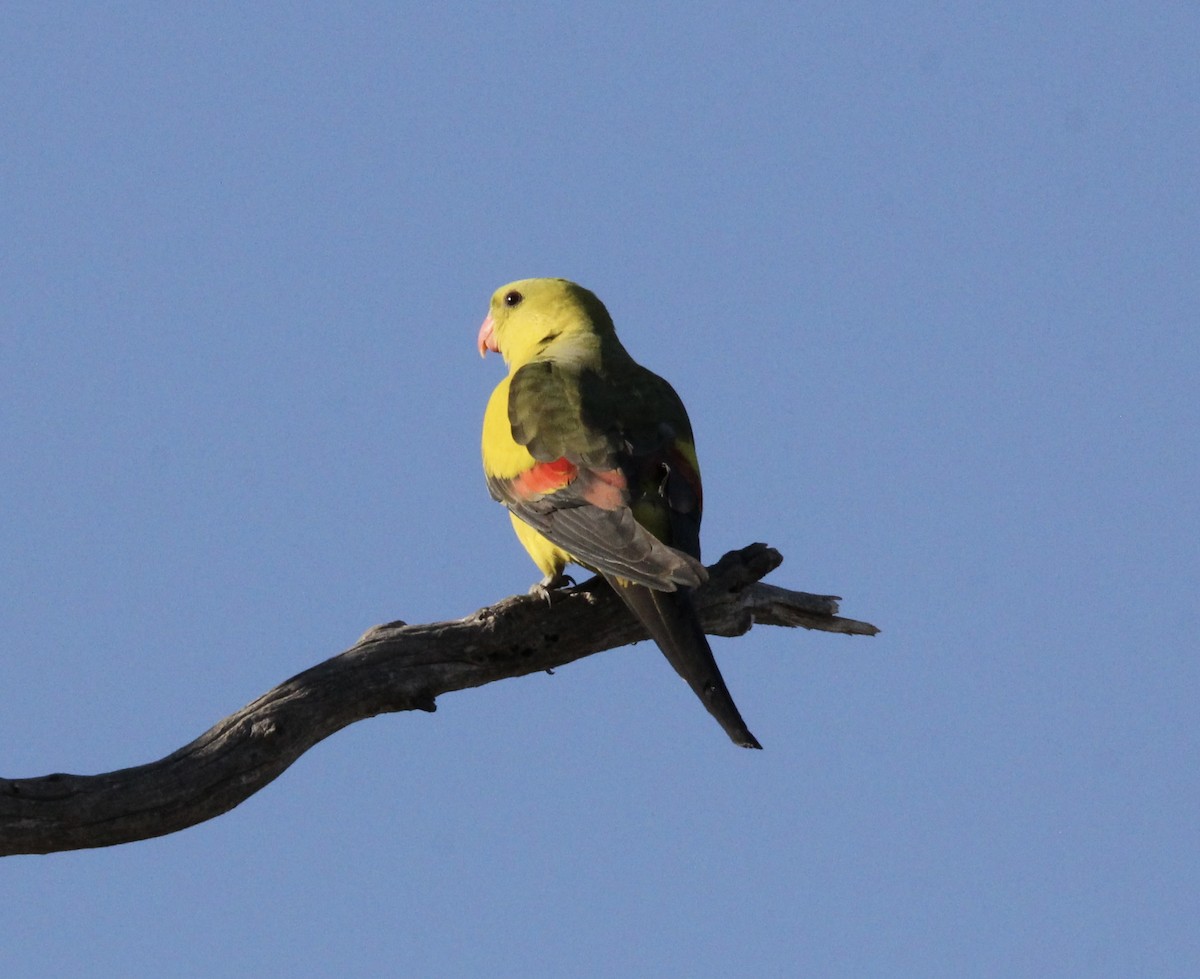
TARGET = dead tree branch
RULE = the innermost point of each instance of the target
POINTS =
(391, 668)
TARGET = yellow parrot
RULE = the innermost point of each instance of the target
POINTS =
(593, 456)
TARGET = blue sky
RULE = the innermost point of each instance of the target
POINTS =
(926, 277)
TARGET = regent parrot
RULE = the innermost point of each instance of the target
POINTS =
(593, 456)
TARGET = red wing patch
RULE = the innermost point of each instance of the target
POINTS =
(606, 489)
(544, 478)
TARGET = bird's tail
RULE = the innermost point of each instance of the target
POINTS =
(670, 618)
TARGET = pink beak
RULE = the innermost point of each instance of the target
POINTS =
(487, 337)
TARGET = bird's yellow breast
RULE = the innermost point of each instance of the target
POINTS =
(502, 456)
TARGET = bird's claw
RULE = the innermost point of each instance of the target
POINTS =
(543, 589)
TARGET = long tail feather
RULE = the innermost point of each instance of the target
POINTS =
(671, 620)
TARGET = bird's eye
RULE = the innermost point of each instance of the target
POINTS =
(512, 298)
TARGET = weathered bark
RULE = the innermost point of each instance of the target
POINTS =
(392, 667)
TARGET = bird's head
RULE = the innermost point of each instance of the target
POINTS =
(525, 317)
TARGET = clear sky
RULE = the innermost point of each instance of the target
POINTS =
(926, 276)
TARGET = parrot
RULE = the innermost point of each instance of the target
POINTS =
(593, 456)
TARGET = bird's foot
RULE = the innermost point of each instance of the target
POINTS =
(552, 582)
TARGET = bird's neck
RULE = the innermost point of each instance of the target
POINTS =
(572, 349)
